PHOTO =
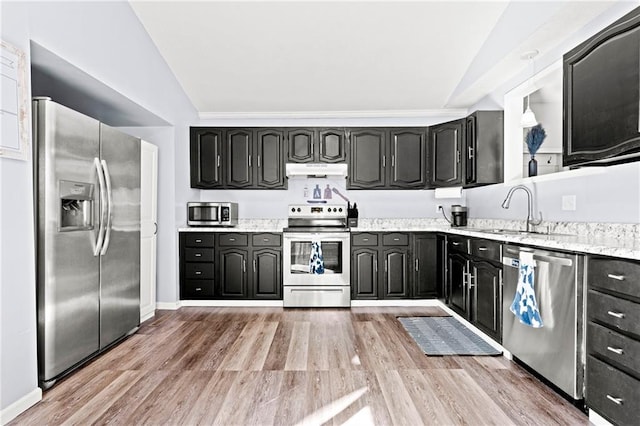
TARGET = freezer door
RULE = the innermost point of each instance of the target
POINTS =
(66, 144)
(120, 259)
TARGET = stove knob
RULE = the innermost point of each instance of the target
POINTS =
(340, 209)
(293, 209)
(299, 209)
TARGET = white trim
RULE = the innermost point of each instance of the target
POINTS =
(333, 114)
(597, 420)
(20, 406)
(171, 306)
(147, 315)
(233, 303)
(477, 331)
(397, 302)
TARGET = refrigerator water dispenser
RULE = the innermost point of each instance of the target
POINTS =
(76, 206)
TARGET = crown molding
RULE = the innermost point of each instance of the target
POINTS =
(284, 115)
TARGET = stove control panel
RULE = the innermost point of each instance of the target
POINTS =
(323, 211)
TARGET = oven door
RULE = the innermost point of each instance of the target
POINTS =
(335, 254)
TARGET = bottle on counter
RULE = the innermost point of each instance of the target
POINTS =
(317, 193)
(327, 192)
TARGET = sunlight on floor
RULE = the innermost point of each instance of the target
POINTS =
(355, 360)
(332, 409)
(363, 417)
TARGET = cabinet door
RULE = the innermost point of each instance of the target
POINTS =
(445, 144)
(270, 159)
(487, 305)
(266, 281)
(458, 284)
(367, 159)
(232, 273)
(408, 158)
(238, 165)
(602, 94)
(364, 273)
(396, 273)
(484, 147)
(425, 265)
(205, 158)
(471, 148)
(331, 146)
(301, 145)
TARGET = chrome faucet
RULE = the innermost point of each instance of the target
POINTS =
(530, 215)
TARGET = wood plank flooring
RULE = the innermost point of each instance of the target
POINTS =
(274, 366)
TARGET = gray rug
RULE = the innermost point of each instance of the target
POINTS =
(445, 336)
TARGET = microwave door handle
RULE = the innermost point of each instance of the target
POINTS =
(107, 237)
(103, 207)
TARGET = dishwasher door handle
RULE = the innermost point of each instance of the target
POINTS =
(563, 261)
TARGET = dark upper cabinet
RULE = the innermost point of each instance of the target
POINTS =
(332, 145)
(484, 147)
(425, 266)
(602, 95)
(301, 145)
(445, 146)
(270, 156)
(408, 158)
(205, 154)
(238, 158)
(367, 159)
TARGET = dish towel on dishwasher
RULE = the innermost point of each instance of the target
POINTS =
(316, 263)
(524, 305)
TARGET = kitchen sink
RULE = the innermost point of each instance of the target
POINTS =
(501, 231)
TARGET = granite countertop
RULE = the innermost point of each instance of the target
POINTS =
(609, 239)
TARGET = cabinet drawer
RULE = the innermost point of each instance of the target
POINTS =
(198, 271)
(264, 240)
(485, 249)
(614, 346)
(198, 254)
(612, 311)
(364, 239)
(395, 239)
(621, 276)
(612, 393)
(196, 239)
(457, 243)
(234, 239)
(197, 288)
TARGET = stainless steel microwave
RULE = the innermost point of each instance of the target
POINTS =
(206, 213)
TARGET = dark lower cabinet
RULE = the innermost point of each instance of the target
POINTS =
(230, 265)
(459, 291)
(394, 265)
(488, 300)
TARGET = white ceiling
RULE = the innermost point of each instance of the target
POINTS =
(339, 57)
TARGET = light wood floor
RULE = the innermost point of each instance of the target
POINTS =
(271, 366)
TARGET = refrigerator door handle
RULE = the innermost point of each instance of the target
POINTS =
(107, 237)
(103, 207)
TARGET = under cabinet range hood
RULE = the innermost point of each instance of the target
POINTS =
(316, 170)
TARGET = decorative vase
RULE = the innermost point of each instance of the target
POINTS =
(533, 166)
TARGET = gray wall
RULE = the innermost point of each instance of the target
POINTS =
(127, 61)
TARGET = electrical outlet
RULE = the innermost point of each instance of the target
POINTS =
(438, 208)
(569, 202)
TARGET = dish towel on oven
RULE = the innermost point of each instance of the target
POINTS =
(524, 305)
(316, 264)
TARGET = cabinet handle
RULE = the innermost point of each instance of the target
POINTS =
(471, 278)
(619, 315)
(482, 249)
(384, 161)
(198, 241)
(618, 401)
(616, 277)
(417, 265)
(396, 239)
(198, 255)
(198, 272)
(393, 161)
(312, 149)
(255, 266)
(618, 351)
(470, 153)
(455, 243)
(198, 288)
(249, 158)
(375, 264)
(218, 162)
(385, 266)
(458, 156)
(259, 161)
(365, 239)
(266, 240)
(244, 266)
(232, 239)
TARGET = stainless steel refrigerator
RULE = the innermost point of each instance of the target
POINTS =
(87, 201)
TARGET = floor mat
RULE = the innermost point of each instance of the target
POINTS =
(439, 336)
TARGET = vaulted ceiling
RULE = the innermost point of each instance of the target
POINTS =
(336, 57)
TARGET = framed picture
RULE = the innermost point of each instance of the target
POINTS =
(14, 111)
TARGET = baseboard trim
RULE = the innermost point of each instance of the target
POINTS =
(476, 330)
(597, 420)
(233, 303)
(20, 406)
(396, 302)
(171, 306)
(147, 315)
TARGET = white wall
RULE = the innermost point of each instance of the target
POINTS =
(107, 41)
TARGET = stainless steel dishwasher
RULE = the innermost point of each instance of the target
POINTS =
(556, 350)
